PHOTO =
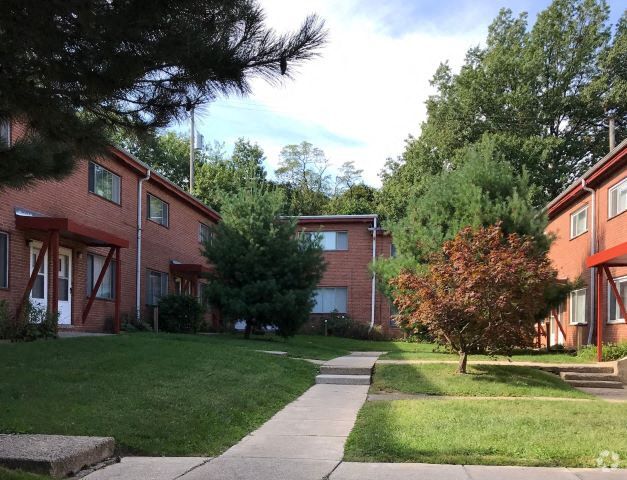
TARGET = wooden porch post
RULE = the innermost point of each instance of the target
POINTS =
(599, 315)
(92, 296)
(118, 290)
(53, 304)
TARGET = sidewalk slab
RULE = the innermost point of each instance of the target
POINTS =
(148, 468)
(53, 455)
(316, 428)
(599, 473)
(261, 469)
(398, 471)
(483, 472)
(292, 447)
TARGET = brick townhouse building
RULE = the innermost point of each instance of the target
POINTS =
(589, 223)
(351, 243)
(104, 242)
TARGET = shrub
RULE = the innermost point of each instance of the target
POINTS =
(33, 322)
(130, 323)
(339, 325)
(611, 351)
(179, 314)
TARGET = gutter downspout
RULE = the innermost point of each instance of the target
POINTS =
(593, 241)
(138, 266)
(374, 275)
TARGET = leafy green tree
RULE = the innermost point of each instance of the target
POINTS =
(484, 190)
(265, 273)
(219, 176)
(303, 174)
(85, 66)
(356, 200)
(540, 94)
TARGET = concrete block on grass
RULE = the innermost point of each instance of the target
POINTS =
(53, 455)
(344, 379)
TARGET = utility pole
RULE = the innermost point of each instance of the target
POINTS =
(612, 127)
(191, 152)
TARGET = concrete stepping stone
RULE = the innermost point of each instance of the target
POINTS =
(344, 379)
(55, 455)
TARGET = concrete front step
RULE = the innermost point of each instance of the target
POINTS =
(343, 379)
(589, 376)
(340, 370)
(578, 368)
(595, 383)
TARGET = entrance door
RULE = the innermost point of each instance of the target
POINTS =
(65, 286)
(39, 292)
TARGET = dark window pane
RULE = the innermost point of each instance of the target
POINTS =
(64, 289)
(38, 287)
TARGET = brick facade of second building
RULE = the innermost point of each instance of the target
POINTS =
(347, 282)
(582, 223)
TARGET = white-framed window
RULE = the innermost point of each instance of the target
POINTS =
(104, 183)
(331, 299)
(158, 211)
(613, 314)
(330, 240)
(577, 310)
(4, 260)
(617, 199)
(5, 133)
(579, 222)
(204, 233)
(94, 267)
(157, 286)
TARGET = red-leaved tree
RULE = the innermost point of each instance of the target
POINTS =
(482, 293)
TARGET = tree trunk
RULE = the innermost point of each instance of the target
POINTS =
(463, 360)
(248, 329)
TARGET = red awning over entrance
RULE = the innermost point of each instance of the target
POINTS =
(611, 257)
(72, 230)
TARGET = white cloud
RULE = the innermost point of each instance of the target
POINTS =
(367, 85)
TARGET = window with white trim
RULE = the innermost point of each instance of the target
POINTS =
(94, 267)
(104, 183)
(330, 240)
(158, 211)
(157, 286)
(205, 233)
(617, 199)
(577, 310)
(614, 315)
(579, 222)
(331, 299)
(5, 133)
(4, 260)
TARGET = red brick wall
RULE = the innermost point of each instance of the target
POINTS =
(569, 255)
(70, 198)
(350, 268)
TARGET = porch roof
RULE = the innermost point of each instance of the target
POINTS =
(189, 268)
(68, 228)
(612, 257)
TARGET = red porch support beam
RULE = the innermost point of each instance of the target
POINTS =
(53, 304)
(599, 315)
(92, 296)
(33, 275)
(539, 336)
(118, 290)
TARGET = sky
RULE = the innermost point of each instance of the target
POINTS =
(365, 93)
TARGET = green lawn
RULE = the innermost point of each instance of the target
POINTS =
(156, 394)
(481, 380)
(19, 475)
(491, 432)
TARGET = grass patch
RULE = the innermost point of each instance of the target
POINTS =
(156, 394)
(19, 475)
(490, 432)
(481, 380)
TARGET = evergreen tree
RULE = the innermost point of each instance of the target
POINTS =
(265, 273)
(73, 69)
